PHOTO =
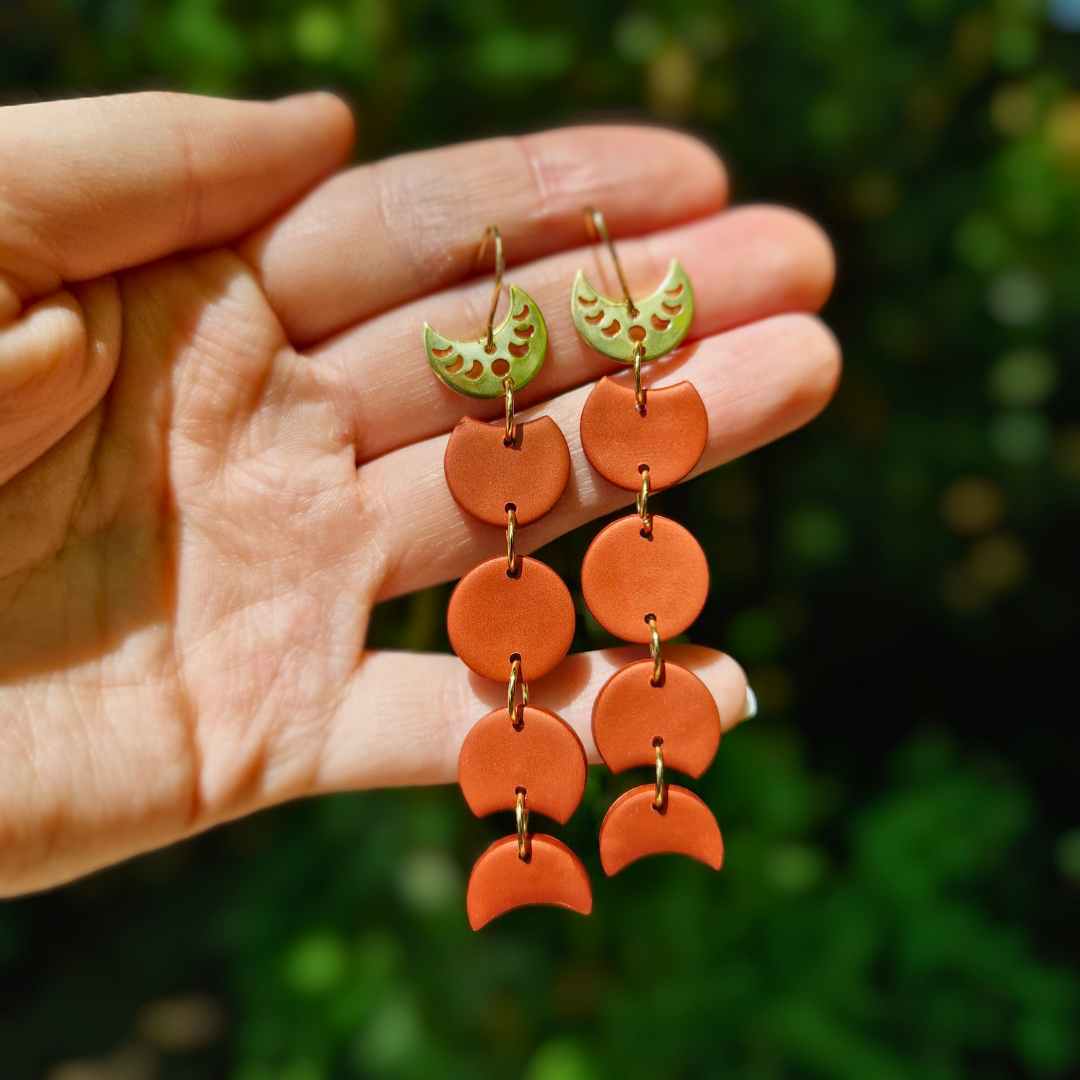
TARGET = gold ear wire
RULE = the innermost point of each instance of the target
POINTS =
(500, 266)
(596, 227)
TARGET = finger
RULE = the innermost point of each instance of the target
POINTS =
(56, 362)
(382, 234)
(405, 715)
(100, 184)
(745, 264)
(758, 382)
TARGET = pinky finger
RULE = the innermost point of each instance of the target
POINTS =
(405, 715)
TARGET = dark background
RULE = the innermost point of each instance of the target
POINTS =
(900, 579)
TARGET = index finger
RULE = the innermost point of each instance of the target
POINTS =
(379, 235)
(96, 185)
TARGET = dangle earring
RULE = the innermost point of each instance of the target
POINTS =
(644, 577)
(511, 618)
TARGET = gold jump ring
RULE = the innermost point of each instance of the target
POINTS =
(511, 430)
(639, 393)
(654, 651)
(658, 798)
(643, 501)
(521, 813)
(516, 680)
(511, 535)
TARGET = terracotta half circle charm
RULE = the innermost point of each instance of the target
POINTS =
(493, 616)
(543, 756)
(485, 475)
(627, 576)
(669, 436)
(630, 714)
(500, 881)
(634, 828)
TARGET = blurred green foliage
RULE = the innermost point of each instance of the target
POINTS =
(901, 579)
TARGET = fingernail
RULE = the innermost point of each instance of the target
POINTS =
(750, 708)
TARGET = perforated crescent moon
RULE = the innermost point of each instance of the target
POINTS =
(519, 343)
(660, 324)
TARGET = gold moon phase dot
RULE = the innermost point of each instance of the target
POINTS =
(518, 346)
(660, 324)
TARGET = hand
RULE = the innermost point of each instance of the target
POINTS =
(221, 444)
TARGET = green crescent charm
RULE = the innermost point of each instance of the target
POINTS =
(518, 346)
(660, 324)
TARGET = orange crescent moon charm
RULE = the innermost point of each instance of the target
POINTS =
(668, 436)
(629, 714)
(634, 828)
(544, 756)
(500, 881)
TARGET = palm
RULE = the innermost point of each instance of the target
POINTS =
(186, 575)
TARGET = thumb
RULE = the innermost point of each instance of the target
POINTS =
(56, 362)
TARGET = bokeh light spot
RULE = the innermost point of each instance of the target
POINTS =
(317, 33)
(1063, 130)
(1022, 378)
(793, 868)
(299, 1069)
(1017, 297)
(1067, 452)
(753, 635)
(981, 243)
(1064, 14)
(670, 81)
(997, 564)
(1020, 437)
(429, 881)
(972, 505)
(874, 194)
(392, 1036)
(515, 55)
(638, 37)
(561, 1058)
(1014, 110)
(316, 963)
(816, 535)
(1016, 45)
(181, 1024)
(1067, 854)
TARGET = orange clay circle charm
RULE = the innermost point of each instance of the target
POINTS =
(627, 576)
(485, 476)
(541, 755)
(668, 435)
(493, 616)
(630, 714)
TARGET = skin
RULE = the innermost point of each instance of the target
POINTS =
(220, 443)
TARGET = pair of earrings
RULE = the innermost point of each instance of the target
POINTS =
(644, 578)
